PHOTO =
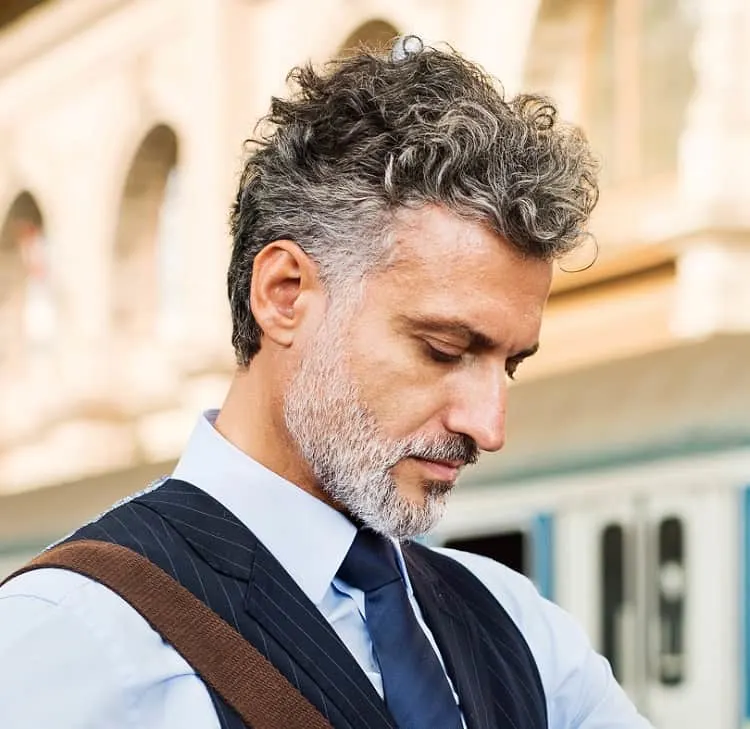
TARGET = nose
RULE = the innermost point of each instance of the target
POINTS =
(478, 410)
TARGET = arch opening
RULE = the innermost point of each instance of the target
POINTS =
(27, 313)
(622, 70)
(147, 243)
(374, 35)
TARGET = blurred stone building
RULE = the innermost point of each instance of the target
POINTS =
(121, 129)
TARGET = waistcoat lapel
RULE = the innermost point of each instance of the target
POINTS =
(457, 639)
(486, 655)
(275, 601)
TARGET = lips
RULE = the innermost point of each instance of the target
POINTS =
(440, 470)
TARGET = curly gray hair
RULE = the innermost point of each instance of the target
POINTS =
(369, 135)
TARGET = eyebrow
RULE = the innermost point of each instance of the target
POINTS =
(475, 339)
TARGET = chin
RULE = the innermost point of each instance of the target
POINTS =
(418, 493)
(439, 488)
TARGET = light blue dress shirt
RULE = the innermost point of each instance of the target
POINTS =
(73, 655)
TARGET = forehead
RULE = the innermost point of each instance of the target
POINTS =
(451, 265)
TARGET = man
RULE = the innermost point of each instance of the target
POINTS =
(394, 235)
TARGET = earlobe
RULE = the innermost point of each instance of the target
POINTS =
(283, 277)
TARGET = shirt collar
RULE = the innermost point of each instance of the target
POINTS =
(308, 537)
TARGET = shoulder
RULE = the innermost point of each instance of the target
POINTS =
(50, 586)
(35, 602)
(500, 580)
(515, 592)
(64, 634)
(578, 682)
(59, 601)
(550, 633)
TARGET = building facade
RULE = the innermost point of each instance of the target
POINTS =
(121, 130)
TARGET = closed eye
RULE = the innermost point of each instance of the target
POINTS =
(439, 355)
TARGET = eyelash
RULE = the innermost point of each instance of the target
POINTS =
(437, 355)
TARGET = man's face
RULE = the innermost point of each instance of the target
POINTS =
(393, 398)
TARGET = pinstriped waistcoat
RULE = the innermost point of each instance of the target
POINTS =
(204, 547)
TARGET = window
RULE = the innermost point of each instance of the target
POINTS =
(612, 596)
(509, 548)
(671, 581)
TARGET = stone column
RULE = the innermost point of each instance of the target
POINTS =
(714, 265)
(206, 185)
(81, 230)
(715, 146)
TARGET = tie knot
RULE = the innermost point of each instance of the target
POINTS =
(370, 562)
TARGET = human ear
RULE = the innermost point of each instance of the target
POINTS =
(284, 282)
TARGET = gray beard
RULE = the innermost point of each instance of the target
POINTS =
(348, 454)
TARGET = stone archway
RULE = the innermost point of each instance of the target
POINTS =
(559, 52)
(26, 306)
(146, 212)
(622, 69)
(374, 35)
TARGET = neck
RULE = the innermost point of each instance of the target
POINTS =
(252, 420)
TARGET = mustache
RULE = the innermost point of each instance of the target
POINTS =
(451, 448)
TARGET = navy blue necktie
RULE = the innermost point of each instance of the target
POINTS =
(417, 692)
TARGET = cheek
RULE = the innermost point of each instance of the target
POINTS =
(396, 385)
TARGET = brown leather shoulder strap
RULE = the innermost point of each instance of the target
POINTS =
(243, 677)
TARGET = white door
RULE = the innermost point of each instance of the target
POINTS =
(653, 579)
